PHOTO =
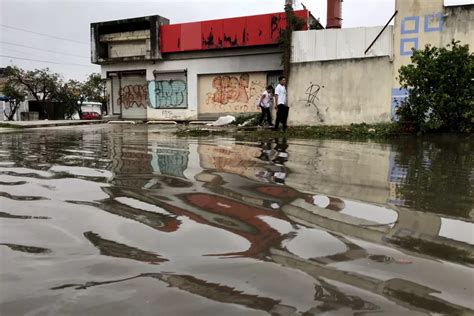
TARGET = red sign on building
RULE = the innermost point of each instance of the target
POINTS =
(245, 31)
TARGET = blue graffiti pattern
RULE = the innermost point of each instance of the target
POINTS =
(165, 94)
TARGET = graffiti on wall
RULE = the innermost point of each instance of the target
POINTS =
(231, 93)
(133, 95)
(235, 159)
(170, 93)
(229, 89)
(167, 94)
(312, 99)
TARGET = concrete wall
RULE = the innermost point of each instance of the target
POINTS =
(340, 92)
(127, 44)
(195, 67)
(334, 82)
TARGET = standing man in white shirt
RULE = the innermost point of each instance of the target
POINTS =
(281, 104)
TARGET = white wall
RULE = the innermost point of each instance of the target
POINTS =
(351, 91)
(195, 67)
(332, 44)
(333, 81)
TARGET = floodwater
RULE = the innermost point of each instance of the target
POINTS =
(130, 220)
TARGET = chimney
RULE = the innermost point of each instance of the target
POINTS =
(334, 18)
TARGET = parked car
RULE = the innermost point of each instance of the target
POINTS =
(90, 116)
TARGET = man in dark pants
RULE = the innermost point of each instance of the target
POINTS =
(282, 104)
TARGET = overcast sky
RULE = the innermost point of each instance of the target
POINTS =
(71, 19)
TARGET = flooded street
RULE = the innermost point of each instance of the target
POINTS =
(120, 220)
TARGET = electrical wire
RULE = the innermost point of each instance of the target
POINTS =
(46, 50)
(42, 34)
(46, 61)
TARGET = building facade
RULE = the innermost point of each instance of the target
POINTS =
(203, 70)
(190, 71)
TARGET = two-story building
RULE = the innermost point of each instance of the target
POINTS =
(188, 71)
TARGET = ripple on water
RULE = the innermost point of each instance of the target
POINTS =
(150, 223)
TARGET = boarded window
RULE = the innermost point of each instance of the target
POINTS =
(234, 93)
(272, 78)
(168, 91)
(129, 95)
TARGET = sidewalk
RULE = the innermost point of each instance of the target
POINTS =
(44, 123)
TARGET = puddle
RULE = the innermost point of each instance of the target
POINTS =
(221, 226)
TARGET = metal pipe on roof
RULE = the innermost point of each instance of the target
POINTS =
(334, 14)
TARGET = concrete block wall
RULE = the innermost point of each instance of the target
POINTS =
(340, 92)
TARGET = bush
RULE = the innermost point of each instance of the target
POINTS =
(441, 85)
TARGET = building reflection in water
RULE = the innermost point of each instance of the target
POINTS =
(245, 190)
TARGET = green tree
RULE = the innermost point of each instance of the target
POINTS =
(73, 94)
(16, 94)
(46, 86)
(40, 83)
(441, 85)
(93, 89)
(68, 95)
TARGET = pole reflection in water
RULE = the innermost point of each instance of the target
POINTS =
(147, 222)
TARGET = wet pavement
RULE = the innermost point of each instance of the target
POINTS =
(47, 123)
(122, 220)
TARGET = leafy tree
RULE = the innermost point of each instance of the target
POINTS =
(40, 83)
(46, 86)
(441, 85)
(73, 93)
(16, 95)
(93, 89)
(69, 94)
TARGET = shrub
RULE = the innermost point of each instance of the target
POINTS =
(441, 85)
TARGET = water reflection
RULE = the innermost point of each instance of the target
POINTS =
(234, 224)
(115, 249)
(27, 249)
(435, 175)
(7, 215)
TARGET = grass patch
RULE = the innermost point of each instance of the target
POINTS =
(199, 132)
(6, 125)
(353, 131)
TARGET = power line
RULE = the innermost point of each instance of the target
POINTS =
(42, 34)
(46, 50)
(46, 61)
(8, 50)
(15, 51)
